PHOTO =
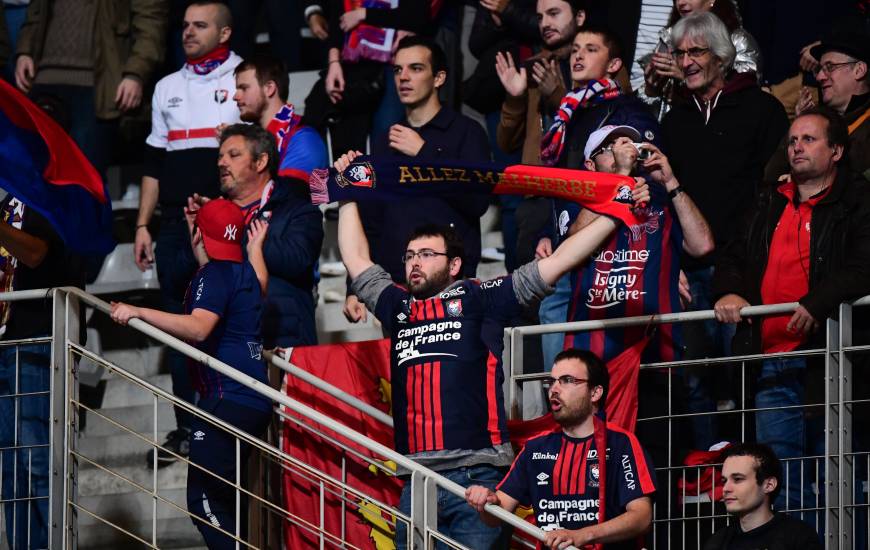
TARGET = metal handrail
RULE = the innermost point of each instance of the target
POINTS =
(304, 410)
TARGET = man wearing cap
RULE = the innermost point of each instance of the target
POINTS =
(842, 74)
(221, 316)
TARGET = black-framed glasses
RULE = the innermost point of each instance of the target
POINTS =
(693, 53)
(829, 67)
(424, 254)
(564, 380)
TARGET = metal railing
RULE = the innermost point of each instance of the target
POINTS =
(69, 459)
(831, 492)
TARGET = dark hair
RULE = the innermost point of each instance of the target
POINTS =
(577, 5)
(259, 142)
(608, 36)
(437, 58)
(267, 68)
(726, 10)
(837, 132)
(595, 368)
(768, 464)
(225, 15)
(452, 240)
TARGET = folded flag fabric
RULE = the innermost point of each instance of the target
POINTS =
(367, 42)
(393, 178)
(44, 168)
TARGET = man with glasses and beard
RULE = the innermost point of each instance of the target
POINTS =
(446, 347)
(559, 473)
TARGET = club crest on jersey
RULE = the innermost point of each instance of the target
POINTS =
(360, 174)
(593, 477)
(623, 195)
(221, 96)
(454, 308)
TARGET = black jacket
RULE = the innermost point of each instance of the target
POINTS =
(839, 252)
(720, 162)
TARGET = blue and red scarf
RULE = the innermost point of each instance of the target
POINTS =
(396, 179)
(597, 91)
(283, 125)
(210, 61)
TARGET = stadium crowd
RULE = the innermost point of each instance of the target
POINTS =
(743, 127)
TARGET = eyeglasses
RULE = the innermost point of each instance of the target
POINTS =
(829, 67)
(425, 254)
(694, 53)
(608, 149)
(564, 380)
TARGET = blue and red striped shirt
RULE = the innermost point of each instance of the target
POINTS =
(558, 476)
(633, 273)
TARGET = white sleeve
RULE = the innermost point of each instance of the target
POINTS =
(159, 136)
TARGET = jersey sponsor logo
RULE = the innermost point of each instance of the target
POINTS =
(174, 102)
(613, 280)
(199, 435)
(360, 174)
(454, 308)
(452, 293)
(545, 456)
(494, 283)
(409, 339)
(628, 473)
(623, 195)
(542, 478)
(221, 96)
(256, 349)
(560, 512)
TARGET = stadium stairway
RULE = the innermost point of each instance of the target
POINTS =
(124, 403)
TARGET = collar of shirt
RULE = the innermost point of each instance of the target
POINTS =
(442, 120)
(789, 191)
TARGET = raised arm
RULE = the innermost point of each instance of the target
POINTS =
(352, 242)
(575, 249)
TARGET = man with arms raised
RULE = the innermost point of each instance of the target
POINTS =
(446, 345)
(559, 473)
(751, 480)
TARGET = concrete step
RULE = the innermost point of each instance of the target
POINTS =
(132, 506)
(117, 450)
(121, 392)
(139, 418)
(142, 361)
(174, 533)
(94, 481)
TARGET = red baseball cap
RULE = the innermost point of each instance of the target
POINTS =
(222, 224)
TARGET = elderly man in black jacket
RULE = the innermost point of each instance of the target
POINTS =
(805, 242)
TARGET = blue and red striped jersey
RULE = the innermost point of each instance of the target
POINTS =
(446, 364)
(558, 477)
(636, 272)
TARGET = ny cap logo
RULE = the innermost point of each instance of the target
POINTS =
(230, 232)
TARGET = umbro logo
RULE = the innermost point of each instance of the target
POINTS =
(542, 478)
(175, 102)
(401, 317)
(198, 435)
(230, 232)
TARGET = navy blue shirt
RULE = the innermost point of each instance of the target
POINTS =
(446, 364)
(558, 476)
(449, 135)
(231, 291)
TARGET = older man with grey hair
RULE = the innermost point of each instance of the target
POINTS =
(718, 141)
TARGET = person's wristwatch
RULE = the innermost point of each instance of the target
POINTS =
(672, 194)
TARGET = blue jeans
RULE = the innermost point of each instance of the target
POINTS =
(708, 339)
(456, 519)
(15, 17)
(789, 433)
(175, 268)
(554, 309)
(24, 424)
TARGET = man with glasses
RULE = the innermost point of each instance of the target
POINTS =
(718, 142)
(842, 74)
(446, 348)
(559, 474)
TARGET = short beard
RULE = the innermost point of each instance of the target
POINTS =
(250, 116)
(570, 417)
(430, 286)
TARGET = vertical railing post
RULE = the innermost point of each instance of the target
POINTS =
(430, 514)
(832, 436)
(515, 409)
(417, 528)
(844, 455)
